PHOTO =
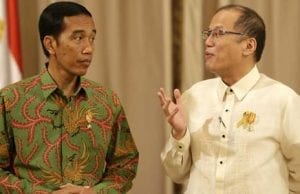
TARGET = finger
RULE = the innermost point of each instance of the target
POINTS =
(161, 96)
(173, 113)
(177, 95)
(165, 107)
(162, 93)
(73, 189)
(161, 99)
(170, 118)
(83, 189)
(162, 90)
(67, 185)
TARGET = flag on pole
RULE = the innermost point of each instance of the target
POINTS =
(10, 50)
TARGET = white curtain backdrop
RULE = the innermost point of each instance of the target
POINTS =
(133, 57)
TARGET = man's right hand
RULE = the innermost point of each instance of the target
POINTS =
(174, 113)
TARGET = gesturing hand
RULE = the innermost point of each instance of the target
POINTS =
(173, 112)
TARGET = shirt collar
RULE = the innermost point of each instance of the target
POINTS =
(242, 87)
(49, 85)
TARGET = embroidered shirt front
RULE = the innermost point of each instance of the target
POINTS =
(242, 139)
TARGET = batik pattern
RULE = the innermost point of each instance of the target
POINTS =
(48, 140)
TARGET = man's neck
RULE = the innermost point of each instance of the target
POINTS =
(68, 84)
(235, 76)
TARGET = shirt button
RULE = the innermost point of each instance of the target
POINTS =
(226, 110)
(231, 90)
(221, 162)
(223, 136)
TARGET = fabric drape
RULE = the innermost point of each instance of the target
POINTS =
(134, 57)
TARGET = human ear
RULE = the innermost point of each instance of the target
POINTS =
(249, 46)
(50, 44)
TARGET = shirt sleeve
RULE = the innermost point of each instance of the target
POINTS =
(122, 159)
(9, 182)
(176, 158)
(291, 141)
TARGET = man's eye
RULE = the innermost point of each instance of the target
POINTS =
(92, 39)
(215, 33)
(78, 38)
(221, 32)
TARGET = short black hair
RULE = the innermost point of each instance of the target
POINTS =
(251, 24)
(51, 21)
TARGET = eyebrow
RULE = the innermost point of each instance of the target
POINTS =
(82, 31)
(216, 27)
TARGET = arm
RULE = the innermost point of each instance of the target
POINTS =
(121, 160)
(9, 181)
(291, 141)
(176, 157)
(174, 113)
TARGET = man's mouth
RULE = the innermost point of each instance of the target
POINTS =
(86, 62)
(208, 55)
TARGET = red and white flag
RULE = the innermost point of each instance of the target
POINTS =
(10, 50)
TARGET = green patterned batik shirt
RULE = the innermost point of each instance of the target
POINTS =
(48, 140)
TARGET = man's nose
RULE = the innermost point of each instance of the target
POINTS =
(209, 41)
(88, 47)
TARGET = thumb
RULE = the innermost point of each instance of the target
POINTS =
(177, 95)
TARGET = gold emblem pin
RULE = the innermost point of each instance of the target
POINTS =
(89, 117)
(247, 121)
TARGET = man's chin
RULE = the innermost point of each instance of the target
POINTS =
(81, 73)
(209, 66)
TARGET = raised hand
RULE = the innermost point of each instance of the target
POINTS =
(174, 112)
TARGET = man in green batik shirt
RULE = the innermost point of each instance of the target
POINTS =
(60, 132)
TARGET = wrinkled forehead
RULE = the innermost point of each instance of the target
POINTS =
(225, 19)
